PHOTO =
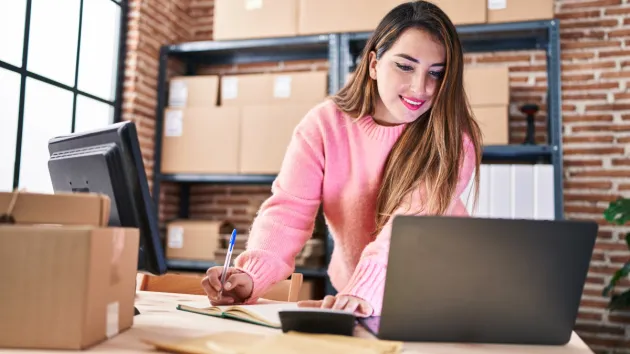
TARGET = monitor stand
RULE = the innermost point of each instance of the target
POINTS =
(136, 312)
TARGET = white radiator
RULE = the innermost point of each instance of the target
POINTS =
(513, 192)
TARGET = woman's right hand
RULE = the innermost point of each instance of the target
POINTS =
(238, 286)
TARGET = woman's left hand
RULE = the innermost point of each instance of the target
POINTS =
(341, 302)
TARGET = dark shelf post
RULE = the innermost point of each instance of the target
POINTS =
(554, 113)
(333, 64)
(345, 58)
(159, 125)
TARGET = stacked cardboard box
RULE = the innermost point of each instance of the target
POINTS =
(285, 18)
(195, 239)
(271, 106)
(488, 90)
(499, 11)
(242, 19)
(68, 279)
(248, 132)
(198, 136)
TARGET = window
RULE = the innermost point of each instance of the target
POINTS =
(58, 74)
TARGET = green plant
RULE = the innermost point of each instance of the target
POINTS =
(618, 213)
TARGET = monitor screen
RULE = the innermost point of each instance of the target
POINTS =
(109, 161)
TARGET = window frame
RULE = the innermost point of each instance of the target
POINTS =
(116, 103)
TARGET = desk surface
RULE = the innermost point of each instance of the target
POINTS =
(160, 320)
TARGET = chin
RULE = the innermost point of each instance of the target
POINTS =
(409, 117)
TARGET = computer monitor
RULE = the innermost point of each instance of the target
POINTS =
(109, 161)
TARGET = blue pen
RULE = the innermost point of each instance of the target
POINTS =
(228, 257)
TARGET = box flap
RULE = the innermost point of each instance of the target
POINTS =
(20, 207)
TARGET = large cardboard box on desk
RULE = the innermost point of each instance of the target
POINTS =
(200, 140)
(243, 19)
(68, 280)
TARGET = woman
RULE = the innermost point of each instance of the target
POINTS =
(399, 138)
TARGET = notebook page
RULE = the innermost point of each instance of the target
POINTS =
(269, 311)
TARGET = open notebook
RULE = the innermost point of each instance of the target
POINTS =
(263, 314)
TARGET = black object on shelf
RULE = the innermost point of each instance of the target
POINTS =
(530, 111)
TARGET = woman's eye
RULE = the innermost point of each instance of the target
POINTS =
(404, 67)
(436, 74)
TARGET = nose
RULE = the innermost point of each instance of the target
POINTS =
(419, 84)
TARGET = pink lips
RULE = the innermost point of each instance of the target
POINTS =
(412, 106)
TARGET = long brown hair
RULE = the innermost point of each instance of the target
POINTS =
(429, 153)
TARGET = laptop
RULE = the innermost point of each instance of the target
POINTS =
(479, 280)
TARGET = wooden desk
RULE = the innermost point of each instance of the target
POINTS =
(160, 320)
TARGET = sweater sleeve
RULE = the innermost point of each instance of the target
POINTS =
(285, 220)
(368, 280)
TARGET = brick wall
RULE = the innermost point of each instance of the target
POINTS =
(596, 113)
(152, 23)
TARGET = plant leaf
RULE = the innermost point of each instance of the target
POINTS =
(618, 211)
(619, 274)
(620, 301)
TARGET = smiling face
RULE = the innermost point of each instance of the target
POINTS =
(408, 76)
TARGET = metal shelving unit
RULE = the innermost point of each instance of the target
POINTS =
(195, 54)
(248, 51)
(341, 50)
(511, 36)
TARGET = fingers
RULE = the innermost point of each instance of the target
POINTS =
(223, 300)
(341, 303)
(310, 303)
(328, 302)
(209, 289)
(213, 275)
(351, 305)
(235, 280)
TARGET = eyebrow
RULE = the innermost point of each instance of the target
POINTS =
(410, 58)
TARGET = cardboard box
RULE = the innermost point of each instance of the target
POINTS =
(274, 88)
(331, 16)
(195, 239)
(245, 89)
(241, 19)
(193, 91)
(464, 12)
(200, 140)
(488, 90)
(487, 85)
(266, 131)
(494, 124)
(519, 10)
(68, 280)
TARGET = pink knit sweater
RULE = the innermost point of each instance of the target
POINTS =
(338, 162)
